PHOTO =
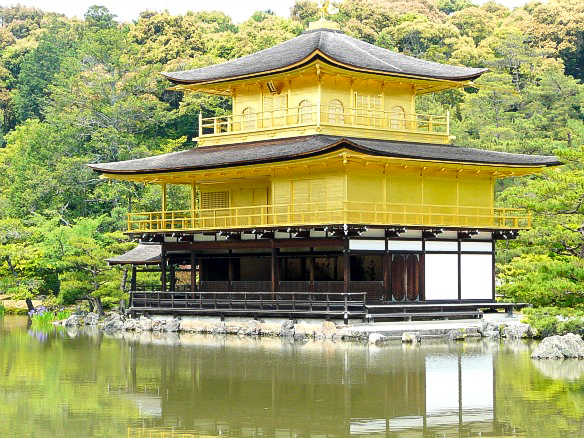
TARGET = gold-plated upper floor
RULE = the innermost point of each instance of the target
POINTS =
(325, 119)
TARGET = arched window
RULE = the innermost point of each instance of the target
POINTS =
(249, 118)
(336, 112)
(397, 118)
(305, 112)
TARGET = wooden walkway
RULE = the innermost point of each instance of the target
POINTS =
(286, 304)
(293, 305)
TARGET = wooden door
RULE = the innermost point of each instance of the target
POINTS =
(413, 277)
(405, 277)
(398, 277)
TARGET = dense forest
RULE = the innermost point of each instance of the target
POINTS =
(76, 91)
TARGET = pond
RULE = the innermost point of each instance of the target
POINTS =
(84, 383)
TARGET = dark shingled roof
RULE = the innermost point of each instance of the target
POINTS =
(210, 157)
(143, 254)
(341, 48)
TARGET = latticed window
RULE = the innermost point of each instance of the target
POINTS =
(249, 118)
(336, 112)
(305, 111)
(274, 110)
(275, 103)
(215, 200)
(397, 118)
(368, 109)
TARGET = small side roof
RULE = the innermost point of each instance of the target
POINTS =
(210, 157)
(327, 44)
(143, 254)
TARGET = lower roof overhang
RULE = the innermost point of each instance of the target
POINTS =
(212, 160)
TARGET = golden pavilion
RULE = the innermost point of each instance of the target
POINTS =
(324, 193)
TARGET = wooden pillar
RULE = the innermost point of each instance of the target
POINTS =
(346, 266)
(386, 276)
(133, 279)
(193, 271)
(311, 269)
(230, 272)
(163, 271)
(193, 203)
(163, 185)
(172, 278)
(275, 271)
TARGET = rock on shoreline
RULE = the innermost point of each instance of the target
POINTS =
(569, 346)
(115, 322)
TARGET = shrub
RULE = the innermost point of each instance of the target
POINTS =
(550, 321)
(543, 280)
(2, 310)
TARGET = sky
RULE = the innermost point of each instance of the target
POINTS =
(127, 10)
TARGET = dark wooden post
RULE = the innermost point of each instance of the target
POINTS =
(346, 276)
(311, 269)
(386, 276)
(172, 278)
(133, 279)
(163, 271)
(346, 267)
(230, 272)
(193, 271)
(275, 271)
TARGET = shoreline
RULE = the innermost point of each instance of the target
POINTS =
(493, 326)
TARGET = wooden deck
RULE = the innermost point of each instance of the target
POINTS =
(288, 304)
(285, 304)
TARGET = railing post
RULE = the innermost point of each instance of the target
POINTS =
(318, 110)
(448, 122)
(200, 124)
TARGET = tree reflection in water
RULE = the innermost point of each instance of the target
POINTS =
(86, 383)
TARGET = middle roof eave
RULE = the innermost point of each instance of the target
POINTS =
(210, 157)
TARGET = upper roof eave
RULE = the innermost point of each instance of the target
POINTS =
(317, 55)
(338, 47)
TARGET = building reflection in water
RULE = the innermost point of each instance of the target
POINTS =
(242, 387)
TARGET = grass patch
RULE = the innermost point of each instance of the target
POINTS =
(44, 316)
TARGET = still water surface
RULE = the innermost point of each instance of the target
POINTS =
(80, 384)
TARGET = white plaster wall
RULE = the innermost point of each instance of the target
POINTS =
(367, 245)
(476, 246)
(405, 245)
(476, 276)
(436, 245)
(441, 275)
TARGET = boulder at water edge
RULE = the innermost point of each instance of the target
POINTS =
(73, 321)
(377, 338)
(91, 319)
(411, 337)
(517, 331)
(560, 347)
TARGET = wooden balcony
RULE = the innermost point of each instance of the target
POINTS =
(322, 119)
(329, 213)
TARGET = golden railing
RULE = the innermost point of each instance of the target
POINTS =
(323, 115)
(329, 213)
